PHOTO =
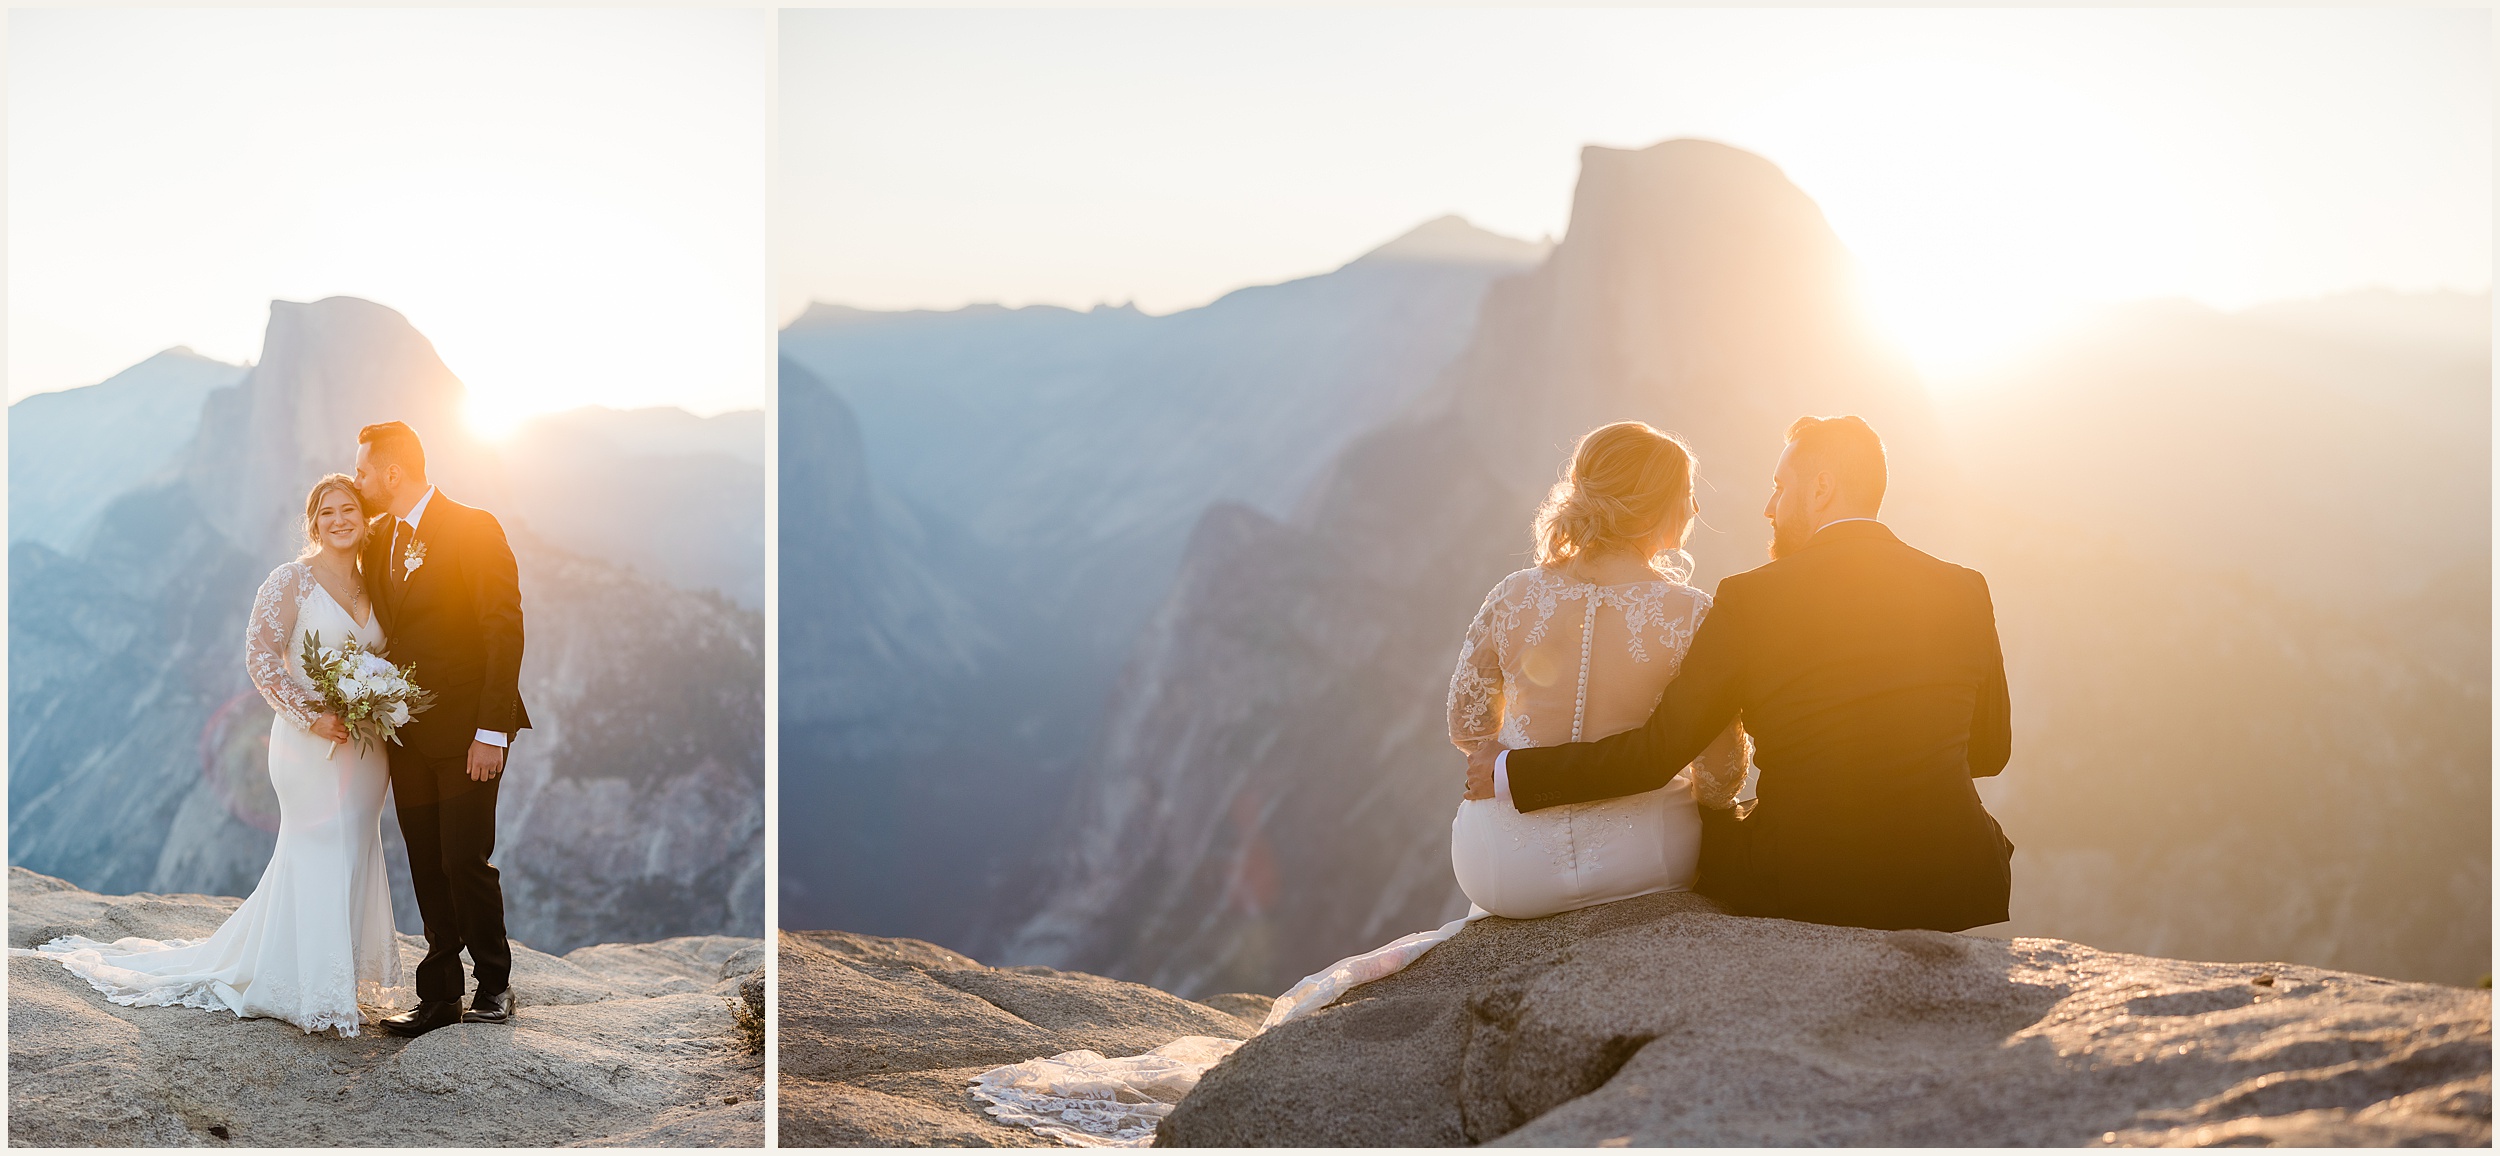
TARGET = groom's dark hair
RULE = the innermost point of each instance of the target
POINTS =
(395, 441)
(1847, 447)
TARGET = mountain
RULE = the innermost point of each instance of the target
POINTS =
(1076, 448)
(677, 497)
(1274, 782)
(2337, 447)
(70, 452)
(1040, 469)
(2242, 567)
(633, 811)
(2240, 563)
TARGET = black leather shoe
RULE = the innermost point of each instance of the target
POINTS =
(489, 1009)
(427, 1017)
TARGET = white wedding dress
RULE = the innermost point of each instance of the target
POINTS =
(315, 936)
(1548, 660)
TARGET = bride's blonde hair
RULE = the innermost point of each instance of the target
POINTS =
(312, 505)
(1624, 482)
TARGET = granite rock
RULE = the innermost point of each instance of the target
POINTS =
(1661, 1021)
(612, 1045)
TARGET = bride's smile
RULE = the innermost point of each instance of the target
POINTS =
(339, 523)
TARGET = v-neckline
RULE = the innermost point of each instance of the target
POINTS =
(324, 587)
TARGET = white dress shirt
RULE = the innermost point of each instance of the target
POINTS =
(416, 513)
(1501, 762)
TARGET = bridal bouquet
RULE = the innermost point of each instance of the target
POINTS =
(366, 692)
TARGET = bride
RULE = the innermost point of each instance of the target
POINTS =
(1579, 646)
(316, 933)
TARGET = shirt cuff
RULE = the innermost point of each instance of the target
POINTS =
(1501, 777)
(494, 738)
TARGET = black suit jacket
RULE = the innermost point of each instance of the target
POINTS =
(457, 620)
(1870, 677)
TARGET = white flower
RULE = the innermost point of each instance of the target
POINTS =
(372, 665)
(399, 714)
(352, 689)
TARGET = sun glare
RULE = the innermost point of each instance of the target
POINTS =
(1986, 207)
(490, 422)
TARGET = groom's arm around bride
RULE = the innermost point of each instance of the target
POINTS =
(1870, 677)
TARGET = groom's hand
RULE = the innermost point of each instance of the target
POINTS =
(485, 761)
(1480, 769)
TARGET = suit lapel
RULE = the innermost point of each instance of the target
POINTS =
(379, 584)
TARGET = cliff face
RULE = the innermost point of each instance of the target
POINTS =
(617, 1044)
(2235, 737)
(635, 809)
(1021, 487)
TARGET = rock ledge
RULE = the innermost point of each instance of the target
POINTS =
(617, 1044)
(1660, 1021)
(879, 1037)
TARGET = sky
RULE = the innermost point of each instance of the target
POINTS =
(570, 203)
(1995, 172)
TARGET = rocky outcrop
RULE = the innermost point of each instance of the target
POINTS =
(879, 1037)
(617, 1044)
(1660, 1021)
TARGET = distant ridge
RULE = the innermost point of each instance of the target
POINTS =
(1453, 239)
(1448, 239)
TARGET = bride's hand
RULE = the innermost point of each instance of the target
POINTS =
(329, 727)
(1480, 769)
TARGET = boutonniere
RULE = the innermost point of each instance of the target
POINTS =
(412, 558)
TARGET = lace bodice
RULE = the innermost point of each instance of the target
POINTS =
(291, 600)
(1550, 659)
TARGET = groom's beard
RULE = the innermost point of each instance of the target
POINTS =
(1788, 535)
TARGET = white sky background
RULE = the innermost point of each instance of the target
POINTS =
(569, 202)
(1994, 171)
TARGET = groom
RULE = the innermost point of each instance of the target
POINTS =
(1869, 676)
(449, 595)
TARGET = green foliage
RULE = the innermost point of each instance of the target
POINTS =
(363, 689)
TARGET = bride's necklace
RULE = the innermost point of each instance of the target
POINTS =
(355, 593)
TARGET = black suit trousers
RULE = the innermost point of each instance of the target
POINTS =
(451, 845)
(1727, 872)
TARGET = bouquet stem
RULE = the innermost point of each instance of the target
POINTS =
(334, 750)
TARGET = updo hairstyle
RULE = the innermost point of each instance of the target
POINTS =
(1626, 480)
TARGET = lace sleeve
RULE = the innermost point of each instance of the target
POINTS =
(1476, 686)
(1719, 774)
(265, 638)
